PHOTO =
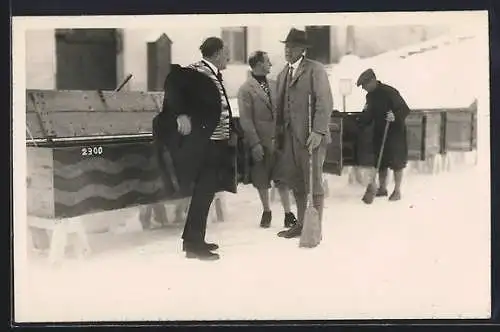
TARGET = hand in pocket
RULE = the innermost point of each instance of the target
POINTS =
(258, 153)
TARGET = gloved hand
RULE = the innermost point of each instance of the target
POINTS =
(390, 116)
(313, 141)
(184, 124)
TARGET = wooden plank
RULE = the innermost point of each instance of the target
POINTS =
(432, 134)
(130, 101)
(442, 140)
(348, 154)
(351, 134)
(77, 124)
(85, 113)
(40, 192)
(88, 101)
(474, 130)
(114, 177)
(365, 156)
(33, 127)
(415, 138)
(30, 106)
(67, 100)
(40, 203)
(333, 158)
(459, 131)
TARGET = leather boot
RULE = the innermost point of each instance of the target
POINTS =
(290, 220)
(265, 220)
(296, 230)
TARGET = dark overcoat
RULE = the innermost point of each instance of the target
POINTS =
(381, 100)
(189, 92)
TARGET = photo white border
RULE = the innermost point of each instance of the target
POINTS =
(468, 19)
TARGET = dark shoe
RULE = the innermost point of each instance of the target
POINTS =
(202, 254)
(395, 196)
(207, 246)
(265, 220)
(295, 231)
(290, 220)
(381, 192)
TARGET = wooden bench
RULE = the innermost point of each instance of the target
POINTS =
(158, 213)
(59, 232)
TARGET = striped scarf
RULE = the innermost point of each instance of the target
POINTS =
(262, 80)
(222, 130)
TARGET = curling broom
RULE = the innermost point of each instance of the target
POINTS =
(311, 230)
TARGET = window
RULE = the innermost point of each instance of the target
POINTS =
(236, 40)
(86, 59)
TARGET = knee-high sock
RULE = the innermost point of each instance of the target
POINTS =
(301, 201)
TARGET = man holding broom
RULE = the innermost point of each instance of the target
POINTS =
(384, 105)
(303, 93)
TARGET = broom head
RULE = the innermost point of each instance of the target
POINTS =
(311, 231)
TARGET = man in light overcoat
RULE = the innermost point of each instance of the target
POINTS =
(300, 78)
(257, 109)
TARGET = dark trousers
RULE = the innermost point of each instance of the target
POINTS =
(206, 185)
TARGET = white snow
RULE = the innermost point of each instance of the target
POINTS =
(447, 72)
(422, 257)
(426, 256)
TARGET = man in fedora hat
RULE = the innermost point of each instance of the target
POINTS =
(384, 103)
(300, 78)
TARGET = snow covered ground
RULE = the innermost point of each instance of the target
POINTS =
(426, 256)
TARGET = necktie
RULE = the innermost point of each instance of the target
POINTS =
(289, 75)
(281, 116)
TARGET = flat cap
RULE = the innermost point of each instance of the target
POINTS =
(366, 76)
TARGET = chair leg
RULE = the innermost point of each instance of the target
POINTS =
(145, 213)
(82, 243)
(326, 188)
(160, 214)
(219, 207)
(58, 243)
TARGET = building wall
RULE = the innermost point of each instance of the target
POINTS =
(41, 62)
(40, 59)
(371, 41)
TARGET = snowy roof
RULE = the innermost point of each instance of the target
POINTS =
(439, 73)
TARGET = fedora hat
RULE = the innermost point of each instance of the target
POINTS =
(296, 37)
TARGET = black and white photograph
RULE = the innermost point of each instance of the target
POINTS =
(328, 166)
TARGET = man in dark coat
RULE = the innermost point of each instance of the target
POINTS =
(197, 129)
(384, 103)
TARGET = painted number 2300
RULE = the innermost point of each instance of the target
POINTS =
(92, 151)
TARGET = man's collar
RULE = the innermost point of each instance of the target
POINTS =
(256, 75)
(296, 63)
(211, 65)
